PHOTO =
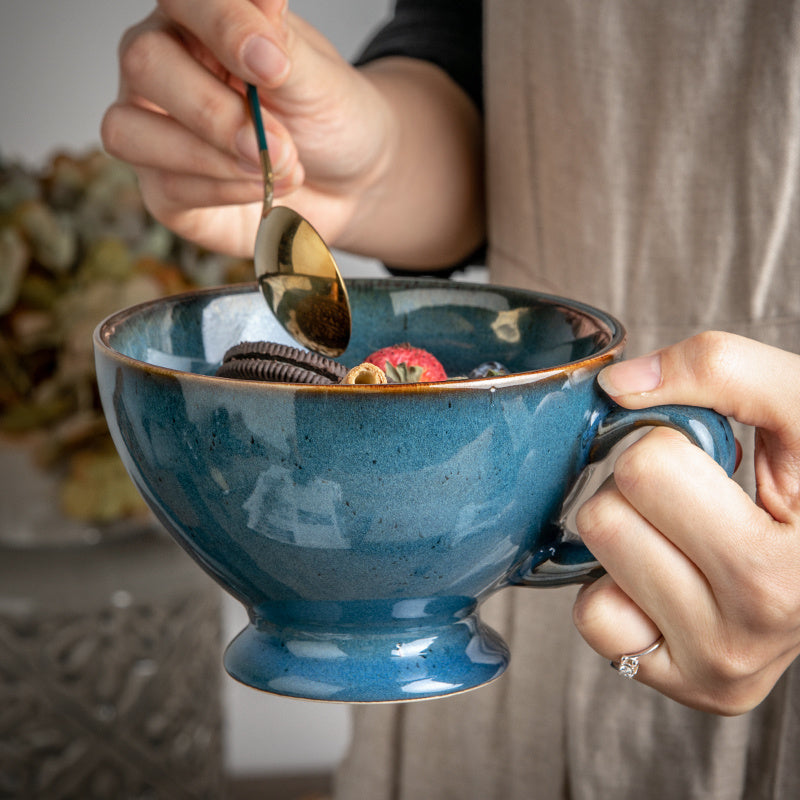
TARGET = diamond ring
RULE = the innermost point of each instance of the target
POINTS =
(628, 666)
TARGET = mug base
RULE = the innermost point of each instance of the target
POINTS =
(367, 667)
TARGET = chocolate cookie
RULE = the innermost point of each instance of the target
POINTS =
(279, 363)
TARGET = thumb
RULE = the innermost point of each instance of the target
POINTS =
(249, 39)
(752, 382)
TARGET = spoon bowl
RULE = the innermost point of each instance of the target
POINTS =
(295, 269)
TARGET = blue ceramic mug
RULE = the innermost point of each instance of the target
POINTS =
(362, 526)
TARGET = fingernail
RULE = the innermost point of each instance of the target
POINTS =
(297, 176)
(265, 60)
(250, 168)
(279, 151)
(248, 148)
(637, 376)
(247, 145)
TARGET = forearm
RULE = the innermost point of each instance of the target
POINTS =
(425, 206)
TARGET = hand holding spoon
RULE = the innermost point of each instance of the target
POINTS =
(295, 269)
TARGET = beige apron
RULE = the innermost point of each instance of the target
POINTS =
(643, 156)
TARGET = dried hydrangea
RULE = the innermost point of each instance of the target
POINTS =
(76, 244)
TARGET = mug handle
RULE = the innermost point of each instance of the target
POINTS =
(566, 559)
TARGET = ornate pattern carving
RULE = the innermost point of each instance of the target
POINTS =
(121, 702)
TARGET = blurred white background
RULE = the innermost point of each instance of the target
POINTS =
(58, 73)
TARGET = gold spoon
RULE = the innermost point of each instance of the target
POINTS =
(295, 269)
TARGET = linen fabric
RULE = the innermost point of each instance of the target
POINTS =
(643, 157)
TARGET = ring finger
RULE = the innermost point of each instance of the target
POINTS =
(652, 588)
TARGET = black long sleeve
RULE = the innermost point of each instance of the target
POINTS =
(448, 33)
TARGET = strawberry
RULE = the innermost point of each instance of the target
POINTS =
(403, 363)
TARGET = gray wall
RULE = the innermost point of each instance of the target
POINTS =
(58, 68)
(58, 73)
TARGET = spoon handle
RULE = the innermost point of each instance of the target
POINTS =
(261, 136)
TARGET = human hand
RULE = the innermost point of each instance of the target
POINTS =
(181, 119)
(688, 554)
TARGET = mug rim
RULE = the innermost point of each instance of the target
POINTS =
(608, 353)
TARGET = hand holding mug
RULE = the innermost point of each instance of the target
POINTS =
(688, 554)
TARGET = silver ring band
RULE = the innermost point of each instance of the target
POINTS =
(628, 666)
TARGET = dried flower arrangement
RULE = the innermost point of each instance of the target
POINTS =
(76, 244)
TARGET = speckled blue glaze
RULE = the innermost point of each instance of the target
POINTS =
(362, 526)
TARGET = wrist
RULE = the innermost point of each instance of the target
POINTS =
(421, 204)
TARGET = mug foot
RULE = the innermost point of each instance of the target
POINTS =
(378, 666)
